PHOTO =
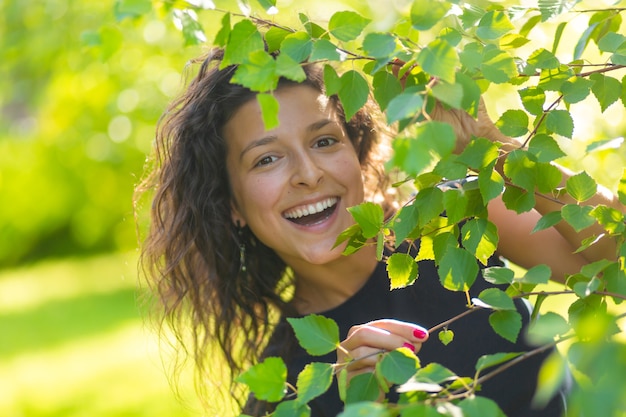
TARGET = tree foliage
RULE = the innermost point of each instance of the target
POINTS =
(453, 52)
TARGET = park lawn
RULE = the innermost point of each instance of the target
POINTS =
(73, 343)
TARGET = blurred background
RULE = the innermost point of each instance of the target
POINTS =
(82, 85)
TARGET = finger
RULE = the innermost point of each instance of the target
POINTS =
(374, 335)
(364, 357)
(409, 331)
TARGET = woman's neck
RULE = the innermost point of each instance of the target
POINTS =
(322, 287)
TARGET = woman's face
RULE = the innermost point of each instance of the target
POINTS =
(292, 185)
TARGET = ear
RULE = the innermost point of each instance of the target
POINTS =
(236, 216)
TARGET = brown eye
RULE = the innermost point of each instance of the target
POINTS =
(266, 161)
(325, 142)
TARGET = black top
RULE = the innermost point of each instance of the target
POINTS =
(427, 304)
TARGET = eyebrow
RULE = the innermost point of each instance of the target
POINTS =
(315, 126)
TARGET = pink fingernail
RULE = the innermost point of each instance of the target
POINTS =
(419, 333)
(410, 346)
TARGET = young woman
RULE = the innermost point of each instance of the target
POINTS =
(244, 222)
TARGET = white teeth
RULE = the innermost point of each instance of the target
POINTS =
(311, 208)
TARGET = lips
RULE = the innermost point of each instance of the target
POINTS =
(312, 213)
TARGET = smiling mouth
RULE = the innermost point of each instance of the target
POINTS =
(310, 214)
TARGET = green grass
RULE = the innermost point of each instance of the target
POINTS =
(73, 344)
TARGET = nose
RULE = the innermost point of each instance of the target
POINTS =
(306, 171)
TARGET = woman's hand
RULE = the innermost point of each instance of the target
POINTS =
(359, 351)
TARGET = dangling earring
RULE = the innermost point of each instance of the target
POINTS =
(242, 249)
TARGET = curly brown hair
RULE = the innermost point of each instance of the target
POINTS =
(191, 256)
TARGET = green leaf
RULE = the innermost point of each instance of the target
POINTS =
(496, 299)
(513, 41)
(551, 376)
(297, 45)
(324, 50)
(317, 334)
(583, 41)
(551, 8)
(258, 73)
(615, 282)
(557, 36)
(480, 238)
(480, 407)
(543, 59)
(314, 380)
(513, 123)
(342, 384)
(581, 187)
(498, 275)
(404, 105)
(267, 380)
(399, 365)
(425, 13)
(493, 25)
(497, 65)
(269, 110)
(402, 270)
(193, 34)
(221, 38)
(457, 269)
(472, 56)
(520, 168)
(612, 42)
(433, 141)
(269, 6)
(362, 387)
(290, 69)
(429, 204)
(518, 199)
(439, 59)
(487, 361)
(585, 289)
(533, 99)
(292, 408)
(450, 94)
(579, 217)
(545, 148)
(369, 216)
(506, 323)
(331, 80)
(446, 336)
(548, 177)
(576, 89)
(243, 41)
(386, 87)
(435, 373)
(353, 92)
(131, 8)
(369, 409)
(347, 25)
(471, 94)
(491, 184)
(553, 79)
(448, 167)
(606, 89)
(546, 327)
(560, 122)
(379, 45)
(450, 35)
(312, 28)
(611, 219)
(538, 274)
(547, 221)
(455, 203)
(405, 222)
